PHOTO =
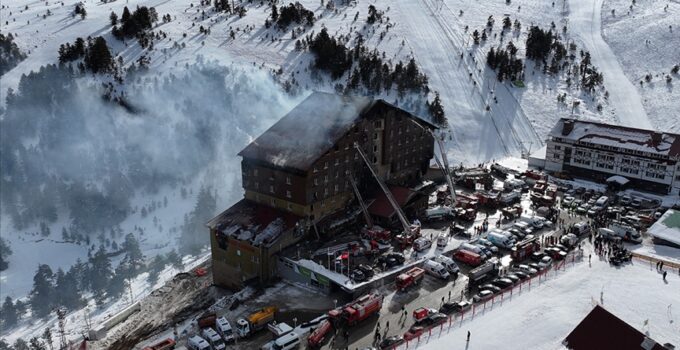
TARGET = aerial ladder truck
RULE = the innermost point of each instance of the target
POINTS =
(411, 232)
(370, 231)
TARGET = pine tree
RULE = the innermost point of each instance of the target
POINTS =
(98, 58)
(4, 345)
(114, 18)
(475, 37)
(9, 313)
(275, 13)
(35, 343)
(100, 273)
(132, 251)
(21, 344)
(47, 336)
(5, 252)
(437, 110)
(43, 291)
(125, 17)
(173, 258)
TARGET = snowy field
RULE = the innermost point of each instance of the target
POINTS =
(541, 318)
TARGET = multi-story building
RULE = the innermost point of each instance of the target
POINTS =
(296, 176)
(648, 159)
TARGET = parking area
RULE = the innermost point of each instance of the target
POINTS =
(495, 241)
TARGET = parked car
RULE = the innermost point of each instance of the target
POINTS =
(503, 282)
(567, 202)
(454, 306)
(522, 275)
(390, 260)
(433, 319)
(367, 270)
(526, 269)
(422, 244)
(545, 262)
(490, 287)
(514, 278)
(535, 266)
(391, 342)
(488, 245)
(555, 253)
(537, 256)
(482, 296)
(358, 276)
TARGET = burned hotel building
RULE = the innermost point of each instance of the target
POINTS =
(297, 178)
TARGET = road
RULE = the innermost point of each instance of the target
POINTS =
(585, 23)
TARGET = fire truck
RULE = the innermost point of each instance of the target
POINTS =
(410, 278)
(524, 248)
(357, 310)
(316, 338)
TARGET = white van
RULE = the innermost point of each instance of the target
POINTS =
(223, 327)
(421, 244)
(436, 269)
(472, 248)
(213, 339)
(626, 232)
(607, 233)
(534, 221)
(523, 226)
(448, 263)
(581, 228)
(198, 343)
(500, 240)
(602, 201)
(286, 342)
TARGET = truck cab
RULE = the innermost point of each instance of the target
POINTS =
(255, 321)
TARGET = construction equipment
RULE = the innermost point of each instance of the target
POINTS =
(410, 278)
(411, 231)
(255, 321)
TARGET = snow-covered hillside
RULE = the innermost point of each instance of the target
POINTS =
(488, 119)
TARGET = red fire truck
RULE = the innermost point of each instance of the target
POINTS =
(524, 248)
(357, 310)
(410, 278)
(468, 257)
(316, 338)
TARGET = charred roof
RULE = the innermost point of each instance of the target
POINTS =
(312, 128)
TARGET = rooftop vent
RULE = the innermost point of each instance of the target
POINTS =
(656, 138)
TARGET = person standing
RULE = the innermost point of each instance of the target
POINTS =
(664, 275)
(468, 336)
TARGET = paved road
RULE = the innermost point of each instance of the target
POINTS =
(585, 23)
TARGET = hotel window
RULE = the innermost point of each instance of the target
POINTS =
(255, 172)
(273, 203)
(288, 194)
(288, 180)
(558, 147)
(337, 161)
(346, 146)
(257, 185)
(325, 165)
(290, 206)
(356, 156)
(630, 166)
(325, 179)
(271, 189)
(336, 188)
(315, 169)
(375, 135)
(325, 191)
(605, 161)
(316, 181)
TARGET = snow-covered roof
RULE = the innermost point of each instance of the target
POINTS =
(667, 227)
(622, 137)
(308, 131)
(618, 179)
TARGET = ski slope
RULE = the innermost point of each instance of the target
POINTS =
(585, 21)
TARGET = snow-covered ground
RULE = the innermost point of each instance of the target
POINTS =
(646, 40)
(542, 317)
